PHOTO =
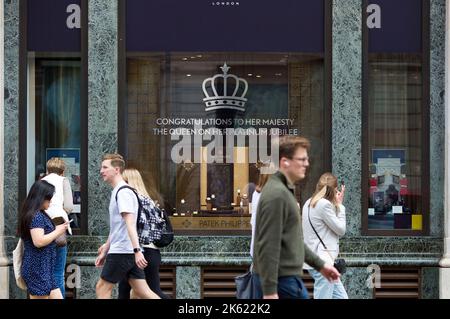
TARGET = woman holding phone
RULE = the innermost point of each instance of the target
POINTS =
(324, 216)
(151, 253)
(38, 234)
(60, 206)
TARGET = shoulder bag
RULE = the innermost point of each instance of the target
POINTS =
(248, 286)
(17, 264)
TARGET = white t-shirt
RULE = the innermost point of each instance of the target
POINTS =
(120, 242)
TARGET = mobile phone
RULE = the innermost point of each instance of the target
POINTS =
(58, 220)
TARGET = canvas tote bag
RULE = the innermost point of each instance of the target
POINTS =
(17, 264)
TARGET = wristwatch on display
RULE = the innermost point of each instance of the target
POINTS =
(136, 250)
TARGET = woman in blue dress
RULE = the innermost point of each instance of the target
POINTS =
(38, 233)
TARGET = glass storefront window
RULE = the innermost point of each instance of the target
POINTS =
(186, 113)
(395, 130)
(54, 119)
(51, 103)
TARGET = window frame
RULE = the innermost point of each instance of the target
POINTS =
(23, 111)
(425, 134)
(122, 115)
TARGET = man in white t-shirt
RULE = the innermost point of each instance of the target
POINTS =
(121, 255)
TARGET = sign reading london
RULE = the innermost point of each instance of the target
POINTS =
(245, 25)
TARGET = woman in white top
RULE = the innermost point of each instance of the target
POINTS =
(60, 206)
(325, 212)
(151, 253)
(263, 178)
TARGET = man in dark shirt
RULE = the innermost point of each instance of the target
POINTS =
(279, 250)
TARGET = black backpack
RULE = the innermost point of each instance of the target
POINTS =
(153, 225)
(167, 231)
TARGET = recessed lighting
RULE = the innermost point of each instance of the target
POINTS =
(278, 74)
(199, 56)
(250, 74)
(192, 57)
(258, 76)
(188, 75)
(184, 59)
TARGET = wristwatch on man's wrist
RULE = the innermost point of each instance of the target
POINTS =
(136, 250)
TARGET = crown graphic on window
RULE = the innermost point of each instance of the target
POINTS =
(225, 91)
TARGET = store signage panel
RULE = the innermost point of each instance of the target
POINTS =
(242, 25)
(208, 223)
(54, 25)
(395, 26)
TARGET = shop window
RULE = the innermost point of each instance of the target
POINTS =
(395, 142)
(182, 109)
(54, 120)
(52, 77)
(396, 121)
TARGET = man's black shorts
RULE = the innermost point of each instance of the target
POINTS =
(119, 266)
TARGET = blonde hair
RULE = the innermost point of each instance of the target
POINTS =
(134, 179)
(56, 165)
(326, 188)
(266, 170)
(116, 160)
(263, 178)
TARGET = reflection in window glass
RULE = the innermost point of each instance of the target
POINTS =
(54, 120)
(174, 101)
(395, 141)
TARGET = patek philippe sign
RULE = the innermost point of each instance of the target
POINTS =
(207, 25)
(54, 25)
(216, 223)
(394, 26)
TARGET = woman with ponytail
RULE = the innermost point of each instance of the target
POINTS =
(324, 216)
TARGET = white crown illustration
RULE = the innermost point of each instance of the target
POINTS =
(229, 100)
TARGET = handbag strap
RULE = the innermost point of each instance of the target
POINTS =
(309, 218)
(321, 241)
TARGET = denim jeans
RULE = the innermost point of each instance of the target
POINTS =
(60, 267)
(323, 289)
(290, 287)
